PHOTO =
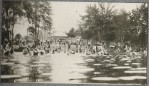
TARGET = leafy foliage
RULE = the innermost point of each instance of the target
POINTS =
(38, 14)
(104, 24)
(18, 36)
(71, 33)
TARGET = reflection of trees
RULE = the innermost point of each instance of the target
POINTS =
(33, 59)
(46, 69)
(105, 69)
(34, 73)
(6, 70)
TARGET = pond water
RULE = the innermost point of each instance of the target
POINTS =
(73, 68)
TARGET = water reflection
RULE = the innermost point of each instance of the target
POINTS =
(109, 70)
(73, 68)
(6, 70)
(28, 69)
(34, 74)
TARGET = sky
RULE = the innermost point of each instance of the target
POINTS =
(66, 15)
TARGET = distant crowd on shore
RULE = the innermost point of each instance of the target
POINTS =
(69, 47)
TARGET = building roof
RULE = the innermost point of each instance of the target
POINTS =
(60, 34)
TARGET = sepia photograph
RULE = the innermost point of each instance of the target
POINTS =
(74, 42)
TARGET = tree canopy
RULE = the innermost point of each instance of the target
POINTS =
(71, 33)
(38, 14)
(18, 36)
(104, 24)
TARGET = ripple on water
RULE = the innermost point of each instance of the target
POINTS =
(132, 77)
(105, 79)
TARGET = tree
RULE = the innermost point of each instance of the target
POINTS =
(18, 36)
(122, 25)
(11, 11)
(71, 33)
(139, 21)
(89, 24)
(97, 24)
(31, 30)
(104, 24)
(37, 12)
(39, 15)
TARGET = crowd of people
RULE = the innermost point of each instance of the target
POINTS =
(82, 46)
(70, 46)
(63, 45)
